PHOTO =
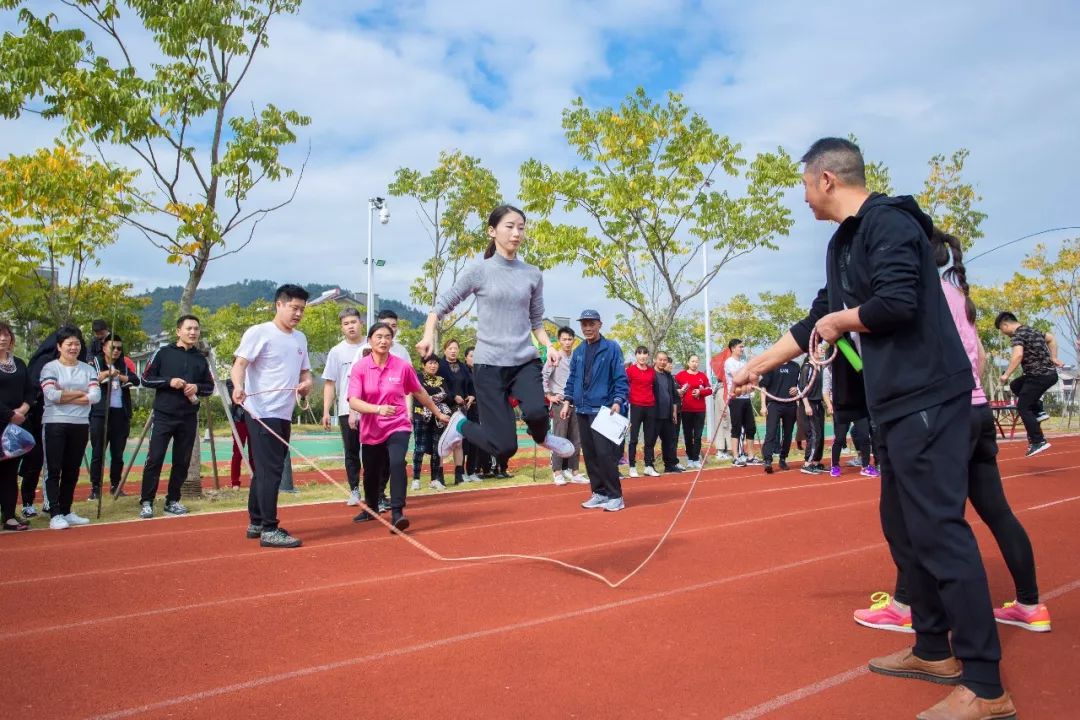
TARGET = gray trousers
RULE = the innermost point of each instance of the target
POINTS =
(566, 429)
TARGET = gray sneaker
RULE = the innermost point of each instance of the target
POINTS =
(613, 505)
(278, 538)
(173, 507)
(595, 501)
(28, 511)
(254, 532)
(1042, 417)
(146, 511)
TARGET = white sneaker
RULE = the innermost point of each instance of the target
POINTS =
(650, 471)
(73, 519)
(579, 479)
(560, 447)
(354, 497)
(436, 485)
(451, 436)
(723, 455)
(474, 478)
(633, 472)
(559, 479)
(58, 522)
(568, 475)
(595, 501)
(415, 484)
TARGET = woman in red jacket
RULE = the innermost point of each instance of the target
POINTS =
(695, 388)
(641, 376)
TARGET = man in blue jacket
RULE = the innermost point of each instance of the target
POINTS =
(882, 289)
(597, 383)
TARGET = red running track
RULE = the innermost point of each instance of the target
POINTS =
(745, 613)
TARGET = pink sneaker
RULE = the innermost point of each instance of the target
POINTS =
(834, 471)
(870, 471)
(1011, 613)
(884, 614)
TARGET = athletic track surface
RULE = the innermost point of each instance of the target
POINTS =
(745, 612)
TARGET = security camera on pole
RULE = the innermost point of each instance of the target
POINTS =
(375, 203)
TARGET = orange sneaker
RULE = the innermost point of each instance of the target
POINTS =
(885, 614)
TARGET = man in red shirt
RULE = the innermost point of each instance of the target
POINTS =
(642, 409)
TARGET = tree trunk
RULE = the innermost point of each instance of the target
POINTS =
(192, 487)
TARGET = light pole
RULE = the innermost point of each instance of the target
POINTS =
(708, 334)
(375, 203)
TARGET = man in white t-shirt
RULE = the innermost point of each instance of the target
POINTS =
(339, 362)
(739, 408)
(271, 361)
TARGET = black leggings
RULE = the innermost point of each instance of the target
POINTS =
(380, 459)
(496, 430)
(642, 415)
(858, 437)
(693, 423)
(9, 488)
(988, 498)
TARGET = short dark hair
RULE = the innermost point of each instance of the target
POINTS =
(285, 293)
(469, 350)
(386, 315)
(640, 349)
(348, 312)
(112, 337)
(566, 330)
(184, 318)
(99, 325)
(429, 358)
(379, 326)
(733, 342)
(66, 333)
(1004, 317)
(5, 329)
(841, 157)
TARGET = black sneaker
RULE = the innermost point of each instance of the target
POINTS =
(754, 461)
(254, 532)
(278, 538)
(783, 464)
(174, 507)
(400, 522)
(820, 469)
(384, 505)
(117, 493)
(94, 494)
(1042, 417)
(364, 516)
(808, 468)
(768, 468)
(1037, 447)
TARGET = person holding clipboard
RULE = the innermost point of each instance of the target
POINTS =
(597, 390)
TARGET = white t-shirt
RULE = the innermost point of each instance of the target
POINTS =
(276, 359)
(731, 366)
(339, 362)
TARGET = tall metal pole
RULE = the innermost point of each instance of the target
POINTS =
(708, 332)
(370, 267)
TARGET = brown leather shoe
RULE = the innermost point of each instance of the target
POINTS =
(962, 704)
(905, 664)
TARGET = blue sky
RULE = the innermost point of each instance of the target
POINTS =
(392, 84)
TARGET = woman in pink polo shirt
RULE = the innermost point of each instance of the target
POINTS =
(378, 385)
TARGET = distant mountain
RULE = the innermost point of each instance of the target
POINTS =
(244, 293)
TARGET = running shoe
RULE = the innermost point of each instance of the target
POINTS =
(254, 532)
(768, 468)
(73, 519)
(651, 471)
(28, 511)
(451, 437)
(278, 538)
(559, 446)
(579, 479)
(740, 461)
(146, 511)
(723, 455)
(633, 472)
(399, 521)
(57, 522)
(783, 464)
(559, 479)
(808, 468)
(567, 475)
(94, 494)
(870, 471)
(1037, 447)
(436, 485)
(415, 484)
(595, 501)
(174, 507)
(354, 497)
(854, 462)
(384, 504)
(885, 614)
(1035, 618)
(834, 471)
(755, 460)
(613, 505)
(1042, 417)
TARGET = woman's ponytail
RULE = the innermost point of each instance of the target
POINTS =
(945, 245)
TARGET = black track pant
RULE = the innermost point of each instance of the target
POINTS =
(496, 431)
(601, 459)
(9, 488)
(815, 432)
(693, 423)
(667, 429)
(924, 486)
(270, 457)
(1028, 391)
(779, 423)
(182, 431)
(115, 438)
(380, 459)
(840, 433)
(64, 448)
(32, 462)
(642, 416)
(351, 440)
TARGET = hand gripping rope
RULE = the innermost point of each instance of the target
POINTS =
(435, 555)
(816, 365)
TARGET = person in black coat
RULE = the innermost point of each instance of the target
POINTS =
(110, 426)
(17, 395)
(457, 379)
(883, 293)
(666, 412)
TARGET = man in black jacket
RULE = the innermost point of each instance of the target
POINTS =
(180, 375)
(781, 382)
(112, 426)
(666, 413)
(882, 288)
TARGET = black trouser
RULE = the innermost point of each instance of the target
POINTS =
(32, 462)
(115, 437)
(270, 457)
(1028, 391)
(988, 498)
(351, 440)
(496, 430)
(840, 433)
(601, 459)
(182, 431)
(924, 486)
(65, 444)
(642, 415)
(387, 457)
(668, 430)
(815, 432)
(742, 421)
(779, 419)
(693, 423)
(9, 488)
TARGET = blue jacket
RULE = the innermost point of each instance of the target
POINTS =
(608, 383)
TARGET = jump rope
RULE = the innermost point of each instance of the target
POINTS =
(815, 363)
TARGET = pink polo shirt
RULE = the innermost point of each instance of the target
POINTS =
(383, 386)
(968, 335)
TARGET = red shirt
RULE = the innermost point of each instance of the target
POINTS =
(697, 380)
(718, 368)
(641, 385)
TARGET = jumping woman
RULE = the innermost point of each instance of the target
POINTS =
(509, 306)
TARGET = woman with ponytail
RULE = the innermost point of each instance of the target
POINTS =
(984, 479)
(510, 309)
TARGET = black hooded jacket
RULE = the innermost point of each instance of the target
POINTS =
(880, 261)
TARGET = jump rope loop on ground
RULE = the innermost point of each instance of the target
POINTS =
(435, 555)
